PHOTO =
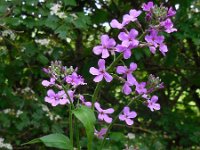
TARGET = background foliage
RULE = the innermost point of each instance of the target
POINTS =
(23, 113)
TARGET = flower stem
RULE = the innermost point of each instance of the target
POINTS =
(71, 124)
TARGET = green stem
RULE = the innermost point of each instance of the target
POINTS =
(71, 125)
(114, 120)
(77, 135)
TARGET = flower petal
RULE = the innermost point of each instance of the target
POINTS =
(94, 71)
(107, 77)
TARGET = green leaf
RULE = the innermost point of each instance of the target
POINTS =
(87, 117)
(42, 59)
(53, 140)
(70, 2)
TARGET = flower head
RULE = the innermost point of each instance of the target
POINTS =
(140, 88)
(171, 12)
(152, 103)
(100, 134)
(128, 72)
(132, 16)
(129, 38)
(147, 7)
(127, 116)
(103, 114)
(107, 44)
(58, 98)
(126, 89)
(101, 72)
(74, 79)
(168, 25)
(88, 104)
(47, 83)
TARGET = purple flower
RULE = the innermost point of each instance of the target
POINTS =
(132, 16)
(103, 114)
(115, 24)
(106, 45)
(125, 49)
(154, 39)
(140, 88)
(168, 25)
(147, 7)
(129, 38)
(74, 79)
(58, 98)
(128, 72)
(100, 134)
(126, 89)
(127, 116)
(88, 104)
(47, 83)
(163, 48)
(101, 72)
(152, 103)
(171, 12)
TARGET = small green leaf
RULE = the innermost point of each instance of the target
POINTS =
(87, 117)
(53, 140)
(70, 2)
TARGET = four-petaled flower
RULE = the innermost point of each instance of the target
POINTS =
(47, 83)
(140, 88)
(101, 72)
(147, 7)
(128, 72)
(58, 98)
(168, 25)
(74, 79)
(107, 44)
(152, 103)
(103, 114)
(126, 89)
(154, 40)
(129, 38)
(100, 134)
(127, 116)
(88, 104)
(132, 16)
(171, 12)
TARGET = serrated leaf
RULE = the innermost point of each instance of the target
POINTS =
(53, 140)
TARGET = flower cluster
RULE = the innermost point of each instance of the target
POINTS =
(159, 21)
(61, 75)
(66, 80)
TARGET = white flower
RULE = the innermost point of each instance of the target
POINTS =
(55, 8)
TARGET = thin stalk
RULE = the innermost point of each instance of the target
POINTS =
(77, 135)
(71, 125)
(114, 120)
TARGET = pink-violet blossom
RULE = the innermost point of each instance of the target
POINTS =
(129, 38)
(74, 79)
(47, 83)
(168, 25)
(103, 113)
(107, 44)
(152, 103)
(58, 98)
(100, 134)
(101, 72)
(127, 116)
(147, 7)
(140, 88)
(128, 72)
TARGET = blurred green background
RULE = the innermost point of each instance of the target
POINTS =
(30, 38)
